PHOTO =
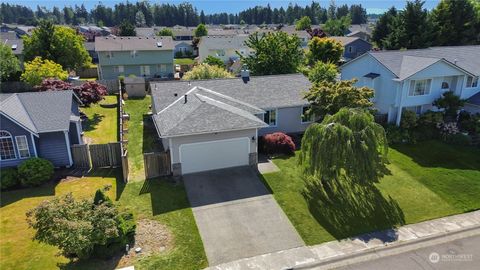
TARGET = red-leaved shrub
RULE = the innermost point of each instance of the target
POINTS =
(89, 92)
(277, 143)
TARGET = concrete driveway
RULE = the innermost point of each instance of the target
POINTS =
(236, 215)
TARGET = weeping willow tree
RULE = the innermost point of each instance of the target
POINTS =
(346, 146)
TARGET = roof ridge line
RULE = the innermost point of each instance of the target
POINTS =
(229, 98)
(177, 100)
(29, 116)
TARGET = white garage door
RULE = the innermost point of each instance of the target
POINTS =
(212, 155)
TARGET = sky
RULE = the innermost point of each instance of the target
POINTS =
(229, 6)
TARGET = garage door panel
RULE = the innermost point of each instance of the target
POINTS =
(204, 156)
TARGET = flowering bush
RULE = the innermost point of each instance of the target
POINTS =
(449, 128)
(277, 143)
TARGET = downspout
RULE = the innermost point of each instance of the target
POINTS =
(399, 112)
(34, 146)
(67, 141)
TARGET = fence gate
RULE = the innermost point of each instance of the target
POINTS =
(80, 156)
(156, 164)
(106, 155)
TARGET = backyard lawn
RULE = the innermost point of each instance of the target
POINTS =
(184, 61)
(141, 135)
(427, 180)
(101, 125)
(154, 199)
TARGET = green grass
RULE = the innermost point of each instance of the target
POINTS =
(154, 199)
(184, 61)
(426, 181)
(101, 125)
(141, 135)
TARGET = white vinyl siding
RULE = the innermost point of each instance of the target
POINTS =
(420, 87)
(118, 69)
(22, 146)
(134, 53)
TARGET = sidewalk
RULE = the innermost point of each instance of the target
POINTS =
(367, 244)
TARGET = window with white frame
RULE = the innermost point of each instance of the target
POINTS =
(220, 52)
(307, 116)
(109, 54)
(270, 117)
(134, 53)
(415, 109)
(22, 146)
(145, 70)
(420, 87)
(7, 150)
(118, 69)
(472, 82)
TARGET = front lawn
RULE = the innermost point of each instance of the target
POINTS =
(154, 199)
(101, 124)
(427, 180)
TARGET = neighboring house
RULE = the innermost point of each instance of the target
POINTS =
(90, 47)
(39, 124)
(12, 40)
(140, 56)
(213, 124)
(413, 79)
(363, 31)
(183, 33)
(353, 46)
(184, 47)
(223, 47)
(472, 104)
(146, 32)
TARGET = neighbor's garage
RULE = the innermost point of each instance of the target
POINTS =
(212, 155)
(211, 151)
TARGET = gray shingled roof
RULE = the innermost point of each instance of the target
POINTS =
(405, 62)
(224, 42)
(133, 43)
(10, 39)
(202, 114)
(39, 111)
(264, 92)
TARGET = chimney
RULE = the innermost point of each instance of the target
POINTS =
(185, 99)
(245, 74)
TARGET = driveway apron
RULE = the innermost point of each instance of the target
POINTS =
(236, 215)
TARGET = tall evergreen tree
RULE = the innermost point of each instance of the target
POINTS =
(454, 23)
(383, 26)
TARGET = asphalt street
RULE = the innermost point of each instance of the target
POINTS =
(461, 254)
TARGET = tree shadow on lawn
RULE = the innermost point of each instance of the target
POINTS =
(92, 122)
(165, 194)
(355, 209)
(440, 154)
(113, 172)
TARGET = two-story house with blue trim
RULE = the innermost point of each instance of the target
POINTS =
(39, 124)
(414, 79)
(140, 56)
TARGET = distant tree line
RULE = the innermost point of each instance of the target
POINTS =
(450, 23)
(145, 14)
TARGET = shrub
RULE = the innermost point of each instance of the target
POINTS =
(126, 231)
(35, 171)
(469, 122)
(409, 119)
(178, 54)
(8, 178)
(459, 139)
(396, 135)
(278, 143)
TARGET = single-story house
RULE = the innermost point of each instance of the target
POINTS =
(139, 56)
(213, 124)
(223, 47)
(39, 124)
(414, 79)
(353, 46)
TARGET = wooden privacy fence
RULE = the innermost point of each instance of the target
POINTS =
(97, 155)
(156, 164)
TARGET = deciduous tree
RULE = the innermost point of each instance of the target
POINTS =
(165, 32)
(337, 27)
(201, 30)
(325, 50)
(214, 61)
(60, 44)
(273, 53)
(303, 23)
(329, 97)
(322, 72)
(205, 71)
(38, 69)
(127, 29)
(9, 63)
